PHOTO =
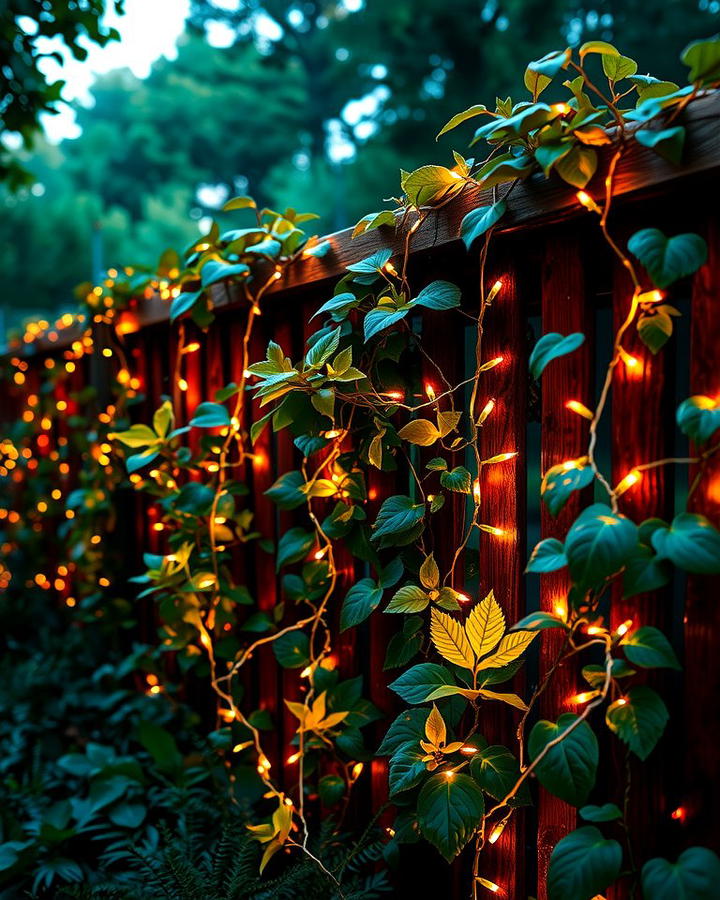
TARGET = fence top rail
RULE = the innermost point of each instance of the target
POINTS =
(535, 202)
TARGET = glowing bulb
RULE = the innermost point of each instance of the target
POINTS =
(390, 268)
(587, 201)
(477, 493)
(627, 482)
(632, 363)
(191, 348)
(494, 291)
(561, 109)
(625, 627)
(651, 296)
(396, 395)
(496, 832)
(468, 749)
(594, 629)
(463, 598)
(491, 529)
(357, 770)
(583, 697)
(490, 885)
(292, 759)
(430, 391)
(331, 435)
(560, 609)
(449, 774)
(182, 384)
(107, 352)
(486, 410)
(679, 814)
(621, 702)
(577, 407)
(306, 672)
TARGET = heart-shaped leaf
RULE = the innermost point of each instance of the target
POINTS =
(667, 259)
(551, 346)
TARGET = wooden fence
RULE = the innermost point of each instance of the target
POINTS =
(557, 277)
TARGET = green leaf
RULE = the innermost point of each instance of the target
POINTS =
(409, 599)
(438, 295)
(568, 769)
(703, 59)
(692, 543)
(667, 259)
(667, 143)
(699, 418)
(578, 166)
(595, 674)
(582, 865)
(608, 812)
(461, 117)
(649, 87)
(127, 815)
(695, 876)
(458, 480)
(286, 492)
(655, 330)
(331, 789)
(215, 270)
(551, 346)
(183, 303)
(430, 183)
(382, 317)
(480, 220)
(648, 648)
(292, 650)
(362, 598)
(548, 556)
(539, 621)
(562, 480)
(408, 726)
(597, 47)
(371, 265)
(638, 719)
(210, 415)
(322, 349)
(239, 203)
(195, 498)
(136, 436)
(338, 306)
(597, 544)
(618, 67)
(643, 572)
(293, 546)
(161, 745)
(415, 685)
(397, 515)
(504, 168)
(449, 811)
(496, 770)
(406, 767)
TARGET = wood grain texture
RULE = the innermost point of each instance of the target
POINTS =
(502, 559)
(565, 309)
(702, 609)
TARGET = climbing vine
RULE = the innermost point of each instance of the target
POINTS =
(355, 404)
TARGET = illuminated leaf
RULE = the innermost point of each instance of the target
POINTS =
(417, 683)
(654, 330)
(210, 415)
(547, 556)
(511, 646)
(406, 768)
(496, 770)
(601, 47)
(409, 599)
(420, 431)
(449, 810)
(458, 480)
(639, 719)
(598, 544)
(703, 58)
(667, 143)
(618, 67)
(648, 648)
(438, 295)
(435, 728)
(480, 220)
(362, 598)
(429, 573)
(485, 625)
(477, 110)
(430, 183)
(699, 418)
(450, 639)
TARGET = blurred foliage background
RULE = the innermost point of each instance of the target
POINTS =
(311, 104)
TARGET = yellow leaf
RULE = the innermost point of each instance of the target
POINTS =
(448, 421)
(511, 646)
(419, 431)
(512, 699)
(375, 450)
(331, 720)
(485, 625)
(435, 729)
(429, 573)
(450, 639)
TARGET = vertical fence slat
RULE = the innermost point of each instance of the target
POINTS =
(503, 559)
(563, 437)
(640, 434)
(702, 610)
